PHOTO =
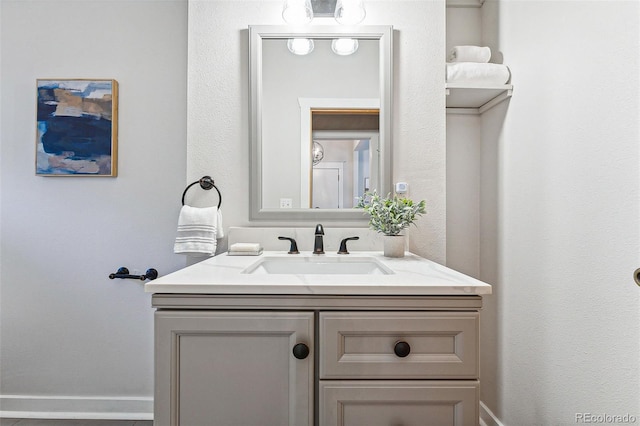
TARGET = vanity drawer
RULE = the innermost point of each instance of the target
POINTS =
(363, 345)
(398, 402)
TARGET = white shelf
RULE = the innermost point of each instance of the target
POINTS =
(465, 99)
(464, 3)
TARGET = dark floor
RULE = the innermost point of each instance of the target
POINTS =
(59, 422)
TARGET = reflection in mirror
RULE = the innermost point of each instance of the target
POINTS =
(295, 86)
(342, 102)
(344, 155)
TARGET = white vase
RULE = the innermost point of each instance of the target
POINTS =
(393, 245)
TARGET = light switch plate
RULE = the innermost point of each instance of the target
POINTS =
(402, 187)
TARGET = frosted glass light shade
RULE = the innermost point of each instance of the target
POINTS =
(344, 46)
(350, 12)
(317, 152)
(297, 12)
(300, 46)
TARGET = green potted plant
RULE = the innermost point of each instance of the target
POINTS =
(390, 216)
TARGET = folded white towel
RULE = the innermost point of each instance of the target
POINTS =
(245, 249)
(249, 247)
(198, 229)
(474, 73)
(469, 54)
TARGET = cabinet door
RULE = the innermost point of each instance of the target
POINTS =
(233, 368)
(399, 403)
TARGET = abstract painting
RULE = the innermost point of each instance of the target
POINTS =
(77, 127)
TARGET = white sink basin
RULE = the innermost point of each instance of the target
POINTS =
(347, 265)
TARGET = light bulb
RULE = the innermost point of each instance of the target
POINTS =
(300, 46)
(344, 46)
(297, 12)
(317, 153)
(350, 12)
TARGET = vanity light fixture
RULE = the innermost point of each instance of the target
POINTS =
(300, 46)
(301, 12)
(344, 46)
(350, 12)
(297, 12)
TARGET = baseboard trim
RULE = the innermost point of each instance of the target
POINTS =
(76, 407)
(116, 408)
(487, 418)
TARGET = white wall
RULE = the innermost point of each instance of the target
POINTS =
(464, 141)
(71, 339)
(561, 189)
(218, 141)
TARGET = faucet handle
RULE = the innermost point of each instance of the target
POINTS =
(343, 245)
(319, 229)
(294, 246)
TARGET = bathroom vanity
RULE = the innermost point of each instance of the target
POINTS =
(396, 342)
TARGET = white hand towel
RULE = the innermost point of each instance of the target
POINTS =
(470, 54)
(219, 231)
(198, 229)
(480, 74)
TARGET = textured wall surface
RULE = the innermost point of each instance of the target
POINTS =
(566, 203)
(218, 141)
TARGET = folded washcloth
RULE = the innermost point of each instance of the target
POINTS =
(245, 249)
(469, 54)
(480, 74)
(198, 229)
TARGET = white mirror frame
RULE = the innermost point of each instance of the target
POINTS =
(257, 33)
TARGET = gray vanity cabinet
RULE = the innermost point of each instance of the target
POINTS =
(233, 368)
(373, 360)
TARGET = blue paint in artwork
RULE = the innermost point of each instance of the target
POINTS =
(46, 104)
(84, 136)
(94, 86)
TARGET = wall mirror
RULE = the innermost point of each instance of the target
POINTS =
(320, 122)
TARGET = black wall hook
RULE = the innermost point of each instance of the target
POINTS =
(123, 272)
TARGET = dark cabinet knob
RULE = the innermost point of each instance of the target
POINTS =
(301, 351)
(402, 349)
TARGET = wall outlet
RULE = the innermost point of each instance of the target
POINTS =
(286, 203)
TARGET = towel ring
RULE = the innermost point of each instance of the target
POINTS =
(206, 183)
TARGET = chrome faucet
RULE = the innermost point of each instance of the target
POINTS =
(318, 246)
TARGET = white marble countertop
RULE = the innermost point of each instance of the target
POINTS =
(223, 274)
